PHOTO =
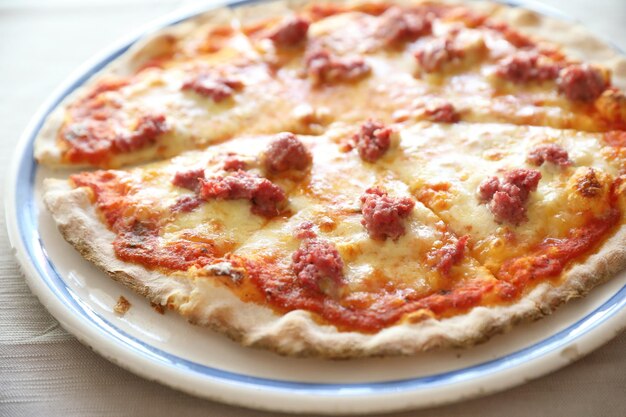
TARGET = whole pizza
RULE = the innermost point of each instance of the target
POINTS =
(350, 179)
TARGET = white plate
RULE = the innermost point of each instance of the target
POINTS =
(197, 361)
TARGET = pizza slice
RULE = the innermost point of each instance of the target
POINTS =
(283, 242)
(439, 62)
(535, 203)
(191, 86)
(271, 68)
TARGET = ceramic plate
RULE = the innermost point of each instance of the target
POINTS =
(195, 360)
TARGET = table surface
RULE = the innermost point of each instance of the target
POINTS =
(46, 371)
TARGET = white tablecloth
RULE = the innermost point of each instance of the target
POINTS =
(44, 371)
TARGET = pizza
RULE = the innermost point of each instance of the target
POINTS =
(350, 179)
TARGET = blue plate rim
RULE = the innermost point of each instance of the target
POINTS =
(27, 225)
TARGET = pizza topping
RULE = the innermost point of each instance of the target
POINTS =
(488, 188)
(582, 82)
(99, 135)
(147, 129)
(287, 152)
(383, 216)
(373, 140)
(523, 67)
(292, 31)
(189, 179)
(450, 254)
(145, 248)
(265, 196)
(216, 87)
(305, 231)
(551, 152)
(511, 35)
(434, 54)
(442, 112)
(317, 264)
(588, 184)
(233, 163)
(507, 199)
(397, 25)
(325, 68)
(185, 204)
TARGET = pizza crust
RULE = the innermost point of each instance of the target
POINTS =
(204, 302)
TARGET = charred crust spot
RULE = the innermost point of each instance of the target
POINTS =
(122, 306)
(588, 185)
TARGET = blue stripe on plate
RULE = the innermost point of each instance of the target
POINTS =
(28, 228)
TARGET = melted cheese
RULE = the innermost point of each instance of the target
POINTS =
(327, 195)
(276, 86)
(329, 198)
(463, 155)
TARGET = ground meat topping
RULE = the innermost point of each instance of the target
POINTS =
(488, 188)
(551, 152)
(185, 204)
(146, 131)
(233, 163)
(292, 31)
(317, 263)
(287, 152)
(442, 113)
(524, 179)
(189, 179)
(325, 68)
(265, 196)
(434, 54)
(383, 216)
(305, 231)
(450, 254)
(507, 198)
(582, 82)
(397, 25)
(523, 67)
(216, 87)
(372, 140)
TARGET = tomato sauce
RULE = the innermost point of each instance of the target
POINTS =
(138, 241)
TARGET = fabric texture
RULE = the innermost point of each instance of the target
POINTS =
(44, 371)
